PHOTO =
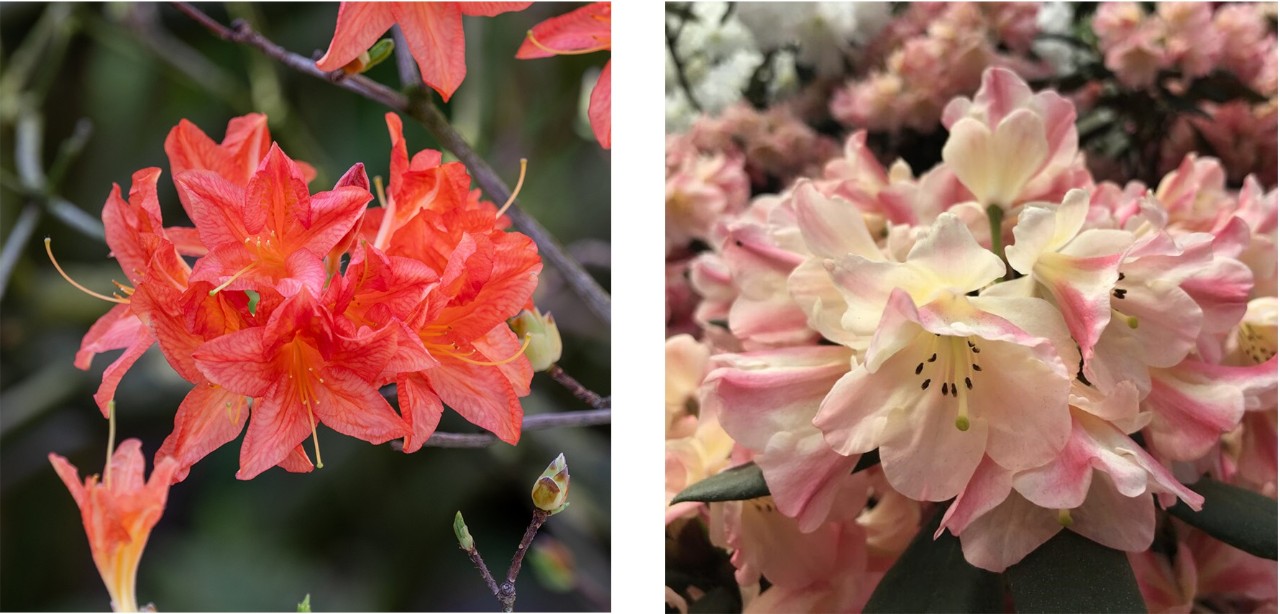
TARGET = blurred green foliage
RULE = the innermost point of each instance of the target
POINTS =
(372, 530)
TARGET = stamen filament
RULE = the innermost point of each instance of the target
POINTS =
(234, 277)
(49, 250)
(533, 39)
(524, 162)
(519, 353)
(111, 441)
(388, 216)
(315, 438)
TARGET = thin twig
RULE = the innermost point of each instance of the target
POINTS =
(538, 422)
(507, 592)
(16, 242)
(405, 64)
(425, 112)
(582, 392)
(474, 553)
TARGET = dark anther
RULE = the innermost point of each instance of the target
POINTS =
(919, 368)
(1121, 278)
(953, 389)
(1119, 293)
(976, 367)
(925, 385)
(943, 387)
(933, 358)
(968, 383)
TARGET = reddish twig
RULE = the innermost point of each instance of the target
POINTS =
(425, 112)
(582, 392)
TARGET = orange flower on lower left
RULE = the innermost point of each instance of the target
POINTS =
(118, 514)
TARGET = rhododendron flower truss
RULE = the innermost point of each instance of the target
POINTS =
(119, 512)
(271, 232)
(582, 30)
(141, 244)
(485, 275)
(303, 368)
(433, 31)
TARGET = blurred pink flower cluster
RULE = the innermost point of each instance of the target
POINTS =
(1041, 349)
(1190, 37)
(931, 53)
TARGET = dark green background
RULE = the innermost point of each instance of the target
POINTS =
(372, 530)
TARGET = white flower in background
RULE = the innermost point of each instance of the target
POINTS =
(724, 83)
(823, 32)
(710, 36)
(784, 81)
(1055, 18)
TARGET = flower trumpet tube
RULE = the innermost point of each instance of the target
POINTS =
(119, 513)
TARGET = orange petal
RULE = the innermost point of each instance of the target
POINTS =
(434, 35)
(489, 9)
(208, 417)
(359, 26)
(276, 427)
(599, 111)
(584, 28)
(421, 408)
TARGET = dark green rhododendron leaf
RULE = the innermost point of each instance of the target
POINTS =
(1238, 517)
(736, 484)
(1071, 573)
(746, 482)
(932, 576)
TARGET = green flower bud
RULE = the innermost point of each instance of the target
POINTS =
(542, 335)
(551, 491)
(462, 533)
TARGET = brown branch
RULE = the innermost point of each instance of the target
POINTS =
(425, 112)
(582, 392)
(537, 422)
(507, 592)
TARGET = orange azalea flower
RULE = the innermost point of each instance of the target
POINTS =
(580, 31)
(118, 515)
(433, 31)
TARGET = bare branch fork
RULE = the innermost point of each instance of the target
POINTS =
(420, 108)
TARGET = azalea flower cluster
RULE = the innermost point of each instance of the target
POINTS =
(1039, 350)
(287, 308)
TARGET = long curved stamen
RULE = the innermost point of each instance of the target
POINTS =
(111, 441)
(388, 216)
(482, 363)
(112, 299)
(533, 39)
(524, 163)
(234, 277)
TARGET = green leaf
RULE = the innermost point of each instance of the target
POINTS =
(1222, 86)
(1071, 573)
(736, 484)
(868, 460)
(1238, 517)
(305, 605)
(932, 576)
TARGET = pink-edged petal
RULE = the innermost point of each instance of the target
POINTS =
(952, 258)
(421, 408)
(240, 363)
(989, 487)
(831, 227)
(996, 165)
(70, 477)
(812, 289)
(1114, 520)
(275, 430)
(297, 461)
(434, 35)
(358, 28)
(1195, 403)
(115, 372)
(208, 417)
(600, 109)
(1007, 533)
(347, 403)
(766, 401)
